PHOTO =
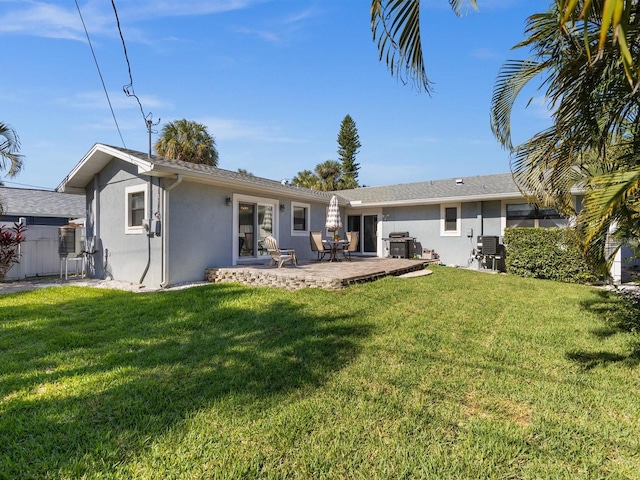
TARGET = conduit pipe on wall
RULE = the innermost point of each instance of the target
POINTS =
(165, 232)
(149, 234)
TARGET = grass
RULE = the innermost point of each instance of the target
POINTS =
(455, 375)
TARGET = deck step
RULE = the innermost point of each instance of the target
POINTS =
(417, 273)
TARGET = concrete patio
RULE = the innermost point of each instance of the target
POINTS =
(314, 274)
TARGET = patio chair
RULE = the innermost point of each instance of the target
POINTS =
(317, 245)
(353, 245)
(281, 256)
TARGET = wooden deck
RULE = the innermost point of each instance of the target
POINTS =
(313, 274)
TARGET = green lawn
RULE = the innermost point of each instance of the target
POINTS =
(455, 375)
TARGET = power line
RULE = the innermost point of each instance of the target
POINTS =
(27, 185)
(128, 89)
(100, 74)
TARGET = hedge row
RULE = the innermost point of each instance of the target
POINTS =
(550, 253)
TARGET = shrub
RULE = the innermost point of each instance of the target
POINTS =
(10, 240)
(550, 253)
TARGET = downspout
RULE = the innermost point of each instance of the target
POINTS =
(96, 229)
(165, 232)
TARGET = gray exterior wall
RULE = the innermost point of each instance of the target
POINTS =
(199, 225)
(423, 223)
(492, 218)
(118, 255)
(202, 233)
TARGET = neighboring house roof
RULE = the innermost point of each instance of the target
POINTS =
(485, 187)
(41, 203)
(100, 155)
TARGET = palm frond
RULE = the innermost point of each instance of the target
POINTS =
(611, 197)
(9, 148)
(395, 25)
(512, 78)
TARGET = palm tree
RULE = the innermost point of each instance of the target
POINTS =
(586, 52)
(395, 25)
(187, 141)
(9, 147)
(306, 179)
(329, 173)
(593, 142)
(326, 177)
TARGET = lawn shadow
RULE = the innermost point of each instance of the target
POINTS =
(135, 365)
(620, 313)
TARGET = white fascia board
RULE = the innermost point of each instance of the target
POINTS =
(94, 161)
(435, 201)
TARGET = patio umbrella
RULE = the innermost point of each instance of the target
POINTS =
(333, 223)
(267, 220)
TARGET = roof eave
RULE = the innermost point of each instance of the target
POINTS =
(434, 201)
(94, 161)
(161, 171)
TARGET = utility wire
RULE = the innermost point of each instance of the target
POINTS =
(100, 74)
(27, 185)
(128, 89)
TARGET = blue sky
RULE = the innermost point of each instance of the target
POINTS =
(271, 79)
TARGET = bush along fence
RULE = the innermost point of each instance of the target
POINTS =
(10, 240)
(549, 253)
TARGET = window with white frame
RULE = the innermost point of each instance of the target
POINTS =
(300, 218)
(135, 201)
(450, 219)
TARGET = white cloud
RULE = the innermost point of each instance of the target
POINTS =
(262, 34)
(539, 107)
(232, 129)
(301, 16)
(172, 8)
(52, 20)
(97, 99)
(485, 54)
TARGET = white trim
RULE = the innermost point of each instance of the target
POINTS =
(128, 191)
(431, 201)
(238, 198)
(443, 231)
(305, 232)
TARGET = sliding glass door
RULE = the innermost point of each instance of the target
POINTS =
(255, 222)
(367, 226)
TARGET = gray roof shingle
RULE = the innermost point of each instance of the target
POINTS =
(470, 188)
(41, 203)
(488, 186)
(222, 174)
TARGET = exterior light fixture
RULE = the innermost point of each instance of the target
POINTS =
(282, 207)
(228, 201)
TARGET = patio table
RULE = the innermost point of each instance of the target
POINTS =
(334, 244)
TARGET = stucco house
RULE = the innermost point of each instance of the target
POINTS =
(160, 222)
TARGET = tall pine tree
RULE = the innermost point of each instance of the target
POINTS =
(348, 145)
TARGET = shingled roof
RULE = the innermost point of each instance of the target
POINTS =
(154, 165)
(41, 203)
(476, 188)
(483, 187)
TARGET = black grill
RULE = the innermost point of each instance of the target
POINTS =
(401, 245)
